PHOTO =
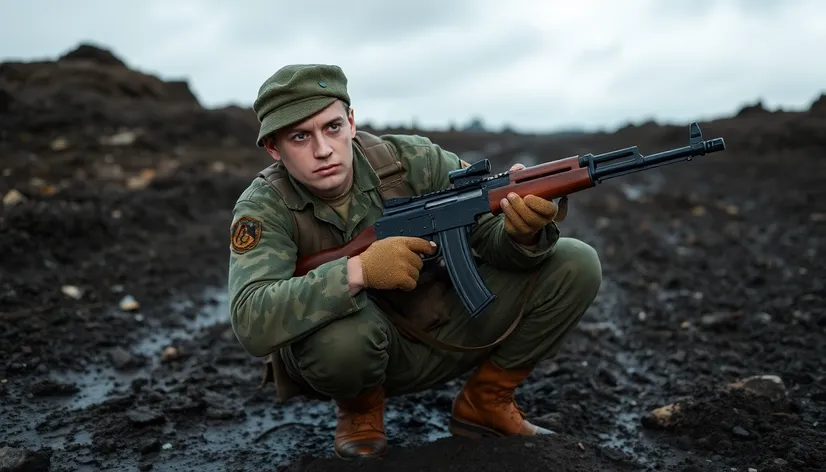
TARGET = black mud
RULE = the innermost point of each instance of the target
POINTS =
(119, 185)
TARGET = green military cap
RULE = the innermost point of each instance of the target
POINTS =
(296, 92)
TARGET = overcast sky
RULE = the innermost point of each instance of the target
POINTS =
(533, 64)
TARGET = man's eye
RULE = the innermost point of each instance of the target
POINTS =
(298, 136)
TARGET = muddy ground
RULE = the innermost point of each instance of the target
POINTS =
(116, 354)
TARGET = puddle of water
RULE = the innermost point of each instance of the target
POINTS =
(433, 418)
(25, 430)
(286, 431)
(63, 437)
(207, 316)
(625, 429)
(97, 383)
(93, 386)
(281, 430)
(625, 432)
(100, 381)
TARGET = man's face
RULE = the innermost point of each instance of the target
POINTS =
(318, 151)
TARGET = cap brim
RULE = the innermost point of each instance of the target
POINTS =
(290, 114)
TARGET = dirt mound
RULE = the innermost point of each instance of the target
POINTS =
(558, 453)
(117, 188)
(94, 54)
(763, 430)
(818, 108)
(87, 97)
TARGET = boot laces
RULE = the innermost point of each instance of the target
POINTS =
(362, 419)
(506, 401)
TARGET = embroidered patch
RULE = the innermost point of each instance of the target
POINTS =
(245, 234)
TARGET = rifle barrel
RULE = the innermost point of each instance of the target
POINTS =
(602, 170)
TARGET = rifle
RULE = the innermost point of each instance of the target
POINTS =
(447, 216)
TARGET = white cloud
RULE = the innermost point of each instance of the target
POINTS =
(532, 64)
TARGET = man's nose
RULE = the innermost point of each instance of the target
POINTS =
(322, 147)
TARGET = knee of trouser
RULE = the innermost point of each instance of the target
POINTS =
(352, 348)
(581, 267)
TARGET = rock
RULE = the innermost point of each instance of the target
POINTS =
(71, 291)
(150, 445)
(143, 179)
(662, 417)
(18, 460)
(769, 386)
(121, 357)
(170, 353)
(13, 197)
(142, 416)
(123, 138)
(720, 319)
(59, 144)
(553, 421)
(46, 388)
(128, 303)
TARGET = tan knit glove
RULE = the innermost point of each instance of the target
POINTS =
(525, 217)
(395, 262)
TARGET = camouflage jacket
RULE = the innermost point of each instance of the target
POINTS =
(270, 308)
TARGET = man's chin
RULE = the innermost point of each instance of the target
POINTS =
(329, 185)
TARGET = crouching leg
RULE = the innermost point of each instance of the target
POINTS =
(346, 361)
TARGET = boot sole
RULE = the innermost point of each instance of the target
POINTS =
(377, 455)
(469, 430)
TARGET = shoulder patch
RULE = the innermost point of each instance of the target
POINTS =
(245, 234)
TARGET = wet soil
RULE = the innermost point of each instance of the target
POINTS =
(116, 354)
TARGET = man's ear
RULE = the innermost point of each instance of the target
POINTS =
(351, 118)
(269, 145)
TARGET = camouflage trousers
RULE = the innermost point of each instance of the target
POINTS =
(365, 349)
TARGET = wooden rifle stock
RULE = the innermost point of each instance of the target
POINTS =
(354, 247)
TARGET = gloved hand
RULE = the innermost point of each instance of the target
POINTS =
(395, 262)
(525, 217)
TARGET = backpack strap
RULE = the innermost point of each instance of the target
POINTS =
(308, 233)
(385, 163)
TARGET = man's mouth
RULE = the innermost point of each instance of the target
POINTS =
(329, 167)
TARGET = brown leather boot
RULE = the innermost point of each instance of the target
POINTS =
(485, 406)
(360, 425)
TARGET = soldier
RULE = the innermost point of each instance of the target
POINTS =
(357, 330)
